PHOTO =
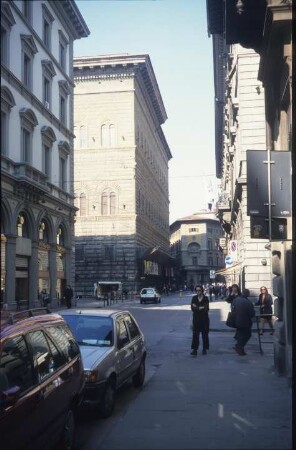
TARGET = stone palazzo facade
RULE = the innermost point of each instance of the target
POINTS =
(121, 173)
(37, 210)
(195, 243)
(265, 27)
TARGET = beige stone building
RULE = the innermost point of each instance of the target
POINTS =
(195, 243)
(241, 127)
(264, 26)
(121, 173)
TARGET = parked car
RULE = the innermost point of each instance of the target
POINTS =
(149, 294)
(41, 381)
(113, 351)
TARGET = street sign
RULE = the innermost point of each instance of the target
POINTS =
(212, 274)
(233, 250)
(228, 260)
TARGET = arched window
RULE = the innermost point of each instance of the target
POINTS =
(108, 135)
(104, 136)
(112, 135)
(82, 137)
(104, 204)
(61, 236)
(22, 226)
(43, 232)
(83, 205)
(108, 203)
(112, 203)
(193, 247)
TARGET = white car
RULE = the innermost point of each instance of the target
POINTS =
(113, 350)
(149, 294)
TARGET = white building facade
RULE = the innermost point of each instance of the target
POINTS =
(37, 209)
(121, 172)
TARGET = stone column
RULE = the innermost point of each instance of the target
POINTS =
(10, 272)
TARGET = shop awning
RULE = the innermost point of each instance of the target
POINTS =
(229, 270)
(156, 255)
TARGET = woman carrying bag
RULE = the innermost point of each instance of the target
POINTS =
(265, 302)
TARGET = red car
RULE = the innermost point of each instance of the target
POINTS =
(41, 381)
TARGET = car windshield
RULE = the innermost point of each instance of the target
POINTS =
(91, 330)
(148, 291)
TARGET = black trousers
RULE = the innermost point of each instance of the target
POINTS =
(242, 337)
(203, 329)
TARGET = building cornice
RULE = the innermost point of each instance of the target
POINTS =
(89, 68)
(72, 16)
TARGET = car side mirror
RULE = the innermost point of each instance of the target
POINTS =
(10, 396)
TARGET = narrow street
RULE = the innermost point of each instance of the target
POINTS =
(217, 401)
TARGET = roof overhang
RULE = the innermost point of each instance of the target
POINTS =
(157, 255)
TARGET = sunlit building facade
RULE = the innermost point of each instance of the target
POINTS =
(121, 173)
(37, 211)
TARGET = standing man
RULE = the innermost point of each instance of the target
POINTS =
(200, 323)
(244, 311)
(68, 296)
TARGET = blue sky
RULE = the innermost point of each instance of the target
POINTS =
(174, 34)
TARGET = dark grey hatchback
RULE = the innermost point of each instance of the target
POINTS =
(41, 381)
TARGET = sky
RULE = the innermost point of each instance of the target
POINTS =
(174, 34)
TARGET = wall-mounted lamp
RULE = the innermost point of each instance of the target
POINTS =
(258, 90)
(264, 262)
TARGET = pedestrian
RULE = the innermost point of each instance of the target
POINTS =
(44, 298)
(233, 292)
(265, 302)
(68, 296)
(200, 321)
(243, 311)
(211, 292)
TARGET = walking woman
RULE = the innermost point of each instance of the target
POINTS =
(265, 302)
(200, 323)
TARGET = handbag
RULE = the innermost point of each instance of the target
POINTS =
(230, 321)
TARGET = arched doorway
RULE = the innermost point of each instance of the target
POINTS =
(43, 258)
(22, 258)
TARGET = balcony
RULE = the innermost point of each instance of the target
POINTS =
(224, 202)
(30, 182)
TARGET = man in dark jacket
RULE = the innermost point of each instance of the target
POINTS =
(244, 311)
(200, 322)
(68, 296)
